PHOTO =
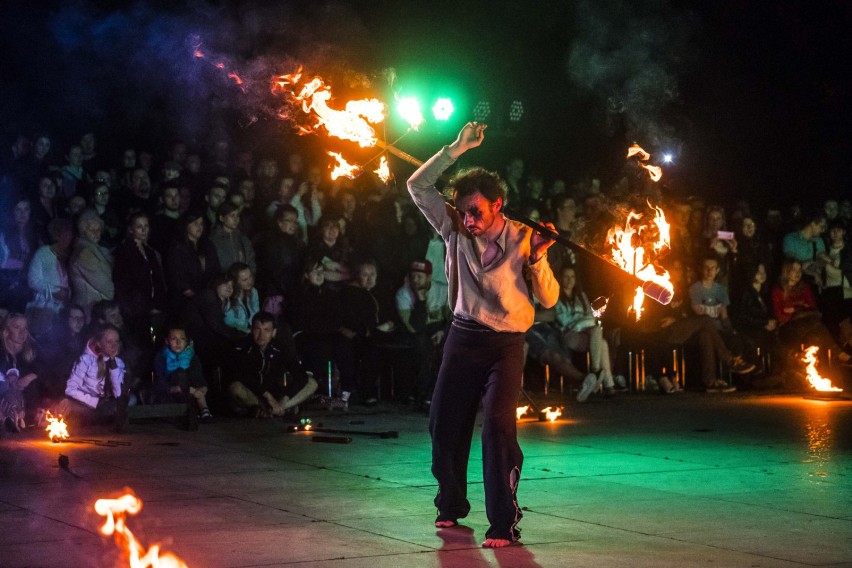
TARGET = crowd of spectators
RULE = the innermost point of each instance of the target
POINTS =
(251, 281)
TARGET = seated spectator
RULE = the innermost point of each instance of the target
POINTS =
(178, 373)
(710, 298)
(716, 241)
(215, 197)
(580, 333)
(795, 308)
(73, 175)
(95, 391)
(316, 319)
(424, 324)
(165, 224)
(18, 369)
(231, 245)
(245, 303)
(836, 298)
(48, 277)
(806, 247)
(754, 315)
(306, 203)
(140, 285)
(90, 265)
(45, 208)
(330, 248)
(136, 344)
(101, 199)
(191, 263)
(18, 243)
(259, 366)
(140, 198)
(677, 324)
(280, 256)
(61, 349)
(752, 250)
(205, 318)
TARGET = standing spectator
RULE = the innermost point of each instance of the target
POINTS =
(90, 264)
(752, 250)
(836, 298)
(141, 197)
(192, 261)
(140, 286)
(330, 248)
(45, 208)
(73, 175)
(231, 245)
(281, 253)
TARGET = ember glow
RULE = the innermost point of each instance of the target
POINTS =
(552, 415)
(656, 172)
(383, 170)
(817, 381)
(521, 410)
(635, 248)
(115, 511)
(351, 123)
(56, 429)
(343, 168)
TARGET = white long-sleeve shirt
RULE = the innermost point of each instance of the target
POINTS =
(46, 277)
(496, 295)
(86, 386)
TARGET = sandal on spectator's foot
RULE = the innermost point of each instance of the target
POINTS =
(205, 416)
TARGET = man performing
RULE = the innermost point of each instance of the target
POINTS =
(488, 257)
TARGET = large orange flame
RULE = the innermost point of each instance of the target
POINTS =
(352, 123)
(521, 410)
(816, 380)
(632, 252)
(56, 429)
(115, 511)
(342, 168)
(383, 171)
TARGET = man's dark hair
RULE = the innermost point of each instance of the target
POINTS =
(478, 180)
(226, 209)
(283, 210)
(100, 308)
(264, 317)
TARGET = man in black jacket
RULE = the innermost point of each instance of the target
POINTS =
(259, 368)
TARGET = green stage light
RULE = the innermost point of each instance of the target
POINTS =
(481, 111)
(409, 109)
(443, 109)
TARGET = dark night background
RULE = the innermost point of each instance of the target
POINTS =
(751, 97)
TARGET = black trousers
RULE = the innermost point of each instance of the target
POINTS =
(478, 364)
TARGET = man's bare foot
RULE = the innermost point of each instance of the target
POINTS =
(496, 543)
(445, 524)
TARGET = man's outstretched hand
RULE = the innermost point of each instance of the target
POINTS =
(470, 136)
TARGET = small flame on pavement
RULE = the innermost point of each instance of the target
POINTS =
(383, 170)
(56, 429)
(553, 414)
(115, 511)
(343, 168)
(816, 380)
(521, 410)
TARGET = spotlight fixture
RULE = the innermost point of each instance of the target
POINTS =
(481, 111)
(516, 111)
(443, 109)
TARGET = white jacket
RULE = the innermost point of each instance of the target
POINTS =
(84, 384)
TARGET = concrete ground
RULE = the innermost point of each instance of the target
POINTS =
(688, 480)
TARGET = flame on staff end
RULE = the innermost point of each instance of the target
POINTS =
(383, 171)
(632, 253)
(521, 410)
(56, 428)
(817, 381)
(352, 123)
(343, 168)
(115, 511)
